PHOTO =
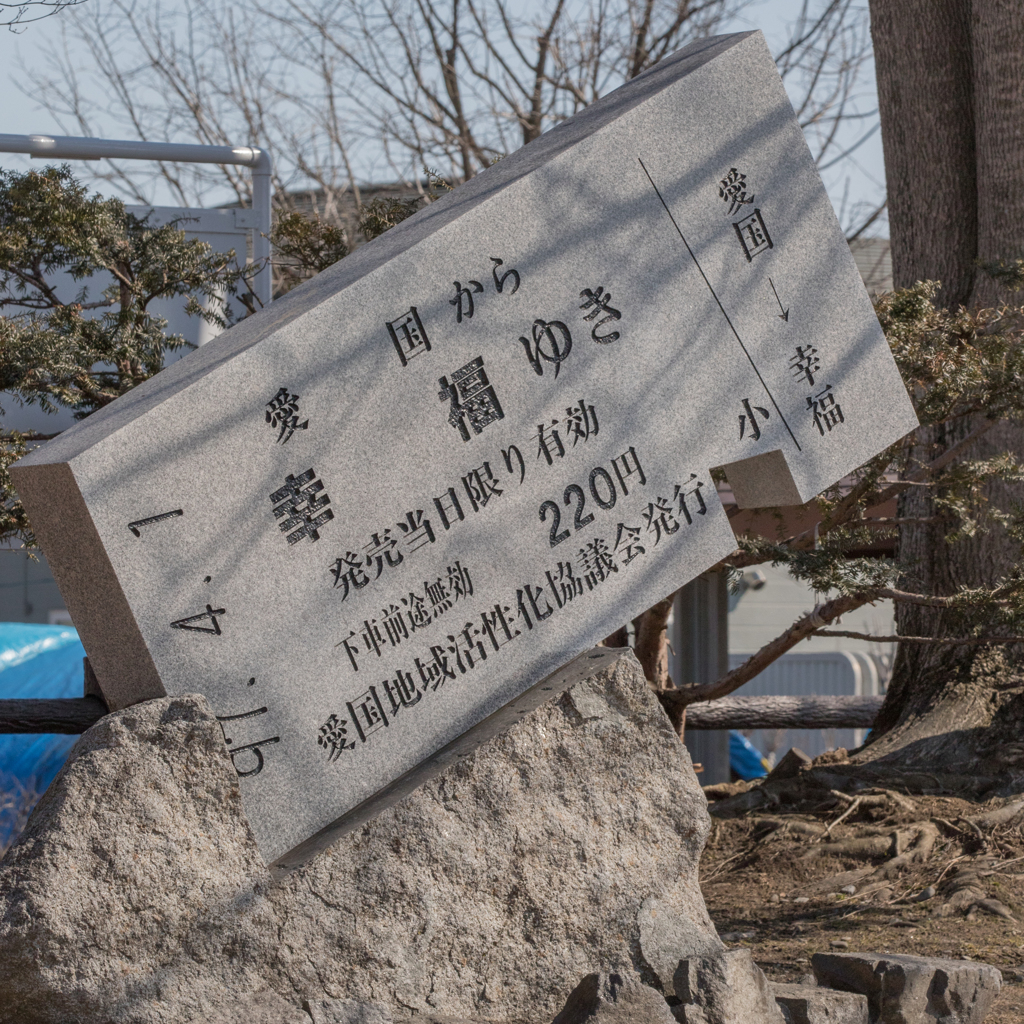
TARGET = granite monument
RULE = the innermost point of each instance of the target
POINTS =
(373, 522)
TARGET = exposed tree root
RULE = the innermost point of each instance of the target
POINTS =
(917, 852)
(873, 846)
(928, 850)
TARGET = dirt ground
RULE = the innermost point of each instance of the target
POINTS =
(770, 883)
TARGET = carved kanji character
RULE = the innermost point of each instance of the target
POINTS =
(349, 572)
(472, 397)
(380, 549)
(481, 485)
(532, 605)
(627, 465)
(408, 336)
(367, 712)
(499, 629)
(301, 507)
(749, 417)
(436, 670)
(597, 562)
(804, 364)
(565, 585)
(660, 518)
(283, 414)
(459, 584)
(416, 531)
(826, 410)
(733, 189)
(333, 737)
(449, 508)
(627, 543)
(580, 422)
(549, 442)
(690, 489)
(753, 235)
(401, 692)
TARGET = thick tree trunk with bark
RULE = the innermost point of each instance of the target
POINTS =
(951, 94)
(923, 69)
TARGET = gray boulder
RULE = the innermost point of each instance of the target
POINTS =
(807, 1004)
(614, 999)
(136, 892)
(724, 988)
(912, 989)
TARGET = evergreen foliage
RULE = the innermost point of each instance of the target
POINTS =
(81, 347)
(957, 365)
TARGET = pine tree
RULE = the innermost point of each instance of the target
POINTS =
(78, 347)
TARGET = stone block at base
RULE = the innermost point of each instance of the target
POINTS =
(912, 989)
(807, 1004)
(724, 988)
(614, 999)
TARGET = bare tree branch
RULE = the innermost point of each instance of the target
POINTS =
(29, 11)
(807, 625)
(340, 90)
(896, 638)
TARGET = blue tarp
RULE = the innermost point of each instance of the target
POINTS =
(37, 661)
(744, 758)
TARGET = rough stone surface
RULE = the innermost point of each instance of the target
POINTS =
(808, 1004)
(137, 892)
(912, 989)
(349, 1011)
(614, 999)
(724, 988)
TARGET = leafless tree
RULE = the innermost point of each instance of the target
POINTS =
(349, 91)
(16, 16)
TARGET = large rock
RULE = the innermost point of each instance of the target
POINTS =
(136, 892)
(726, 987)
(808, 1004)
(614, 999)
(912, 989)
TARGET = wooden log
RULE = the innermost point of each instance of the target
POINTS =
(784, 713)
(60, 715)
(76, 714)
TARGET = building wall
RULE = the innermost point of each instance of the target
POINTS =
(761, 615)
(27, 590)
(874, 261)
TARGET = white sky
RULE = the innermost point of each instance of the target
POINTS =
(859, 179)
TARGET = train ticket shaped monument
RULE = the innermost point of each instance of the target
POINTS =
(373, 522)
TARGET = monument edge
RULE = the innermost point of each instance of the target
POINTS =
(88, 583)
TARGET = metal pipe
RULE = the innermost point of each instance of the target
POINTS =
(42, 147)
(261, 196)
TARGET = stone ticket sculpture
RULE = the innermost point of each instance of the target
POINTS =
(368, 519)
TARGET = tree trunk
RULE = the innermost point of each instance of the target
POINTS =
(997, 36)
(925, 97)
(652, 643)
(951, 99)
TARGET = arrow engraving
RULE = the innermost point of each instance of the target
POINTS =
(784, 314)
